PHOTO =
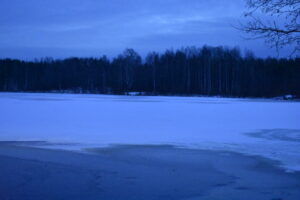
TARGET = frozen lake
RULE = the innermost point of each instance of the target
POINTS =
(267, 128)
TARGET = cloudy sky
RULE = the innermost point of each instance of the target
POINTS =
(62, 28)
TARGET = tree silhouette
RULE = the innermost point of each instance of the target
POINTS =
(276, 21)
(188, 71)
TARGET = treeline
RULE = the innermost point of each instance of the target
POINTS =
(190, 71)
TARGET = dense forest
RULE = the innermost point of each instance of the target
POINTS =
(189, 71)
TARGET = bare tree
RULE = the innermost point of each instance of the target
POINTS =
(276, 21)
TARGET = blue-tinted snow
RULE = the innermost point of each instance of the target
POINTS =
(261, 127)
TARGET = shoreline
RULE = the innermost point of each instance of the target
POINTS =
(141, 172)
(275, 98)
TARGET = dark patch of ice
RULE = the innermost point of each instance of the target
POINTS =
(291, 135)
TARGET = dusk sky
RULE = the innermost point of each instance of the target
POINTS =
(63, 28)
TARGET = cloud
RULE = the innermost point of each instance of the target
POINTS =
(117, 24)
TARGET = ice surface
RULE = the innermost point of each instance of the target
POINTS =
(261, 127)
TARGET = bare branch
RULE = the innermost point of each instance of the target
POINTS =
(282, 30)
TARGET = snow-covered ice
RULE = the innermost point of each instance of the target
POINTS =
(262, 127)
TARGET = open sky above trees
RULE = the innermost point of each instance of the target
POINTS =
(34, 29)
